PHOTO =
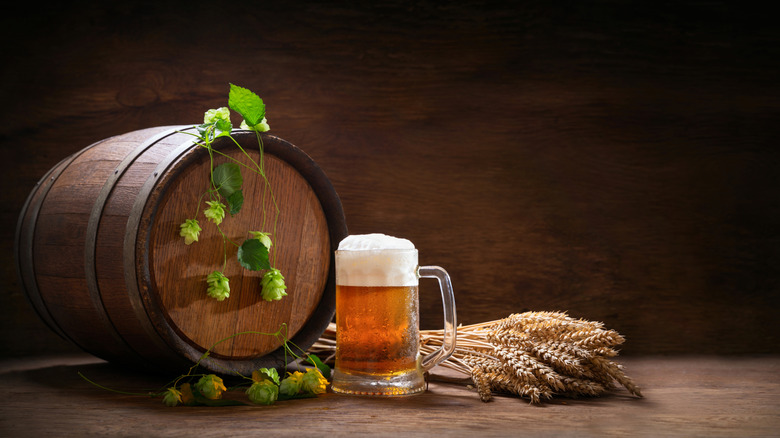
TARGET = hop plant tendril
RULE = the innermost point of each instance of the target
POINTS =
(263, 387)
(225, 195)
(266, 385)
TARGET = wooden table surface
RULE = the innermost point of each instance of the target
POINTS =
(616, 160)
(683, 396)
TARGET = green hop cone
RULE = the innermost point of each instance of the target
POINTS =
(291, 385)
(219, 286)
(190, 230)
(211, 386)
(273, 285)
(215, 212)
(213, 115)
(314, 382)
(264, 238)
(172, 397)
(263, 393)
(260, 127)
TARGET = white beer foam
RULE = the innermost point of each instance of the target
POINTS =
(376, 260)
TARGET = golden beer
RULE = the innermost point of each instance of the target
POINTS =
(377, 317)
(377, 329)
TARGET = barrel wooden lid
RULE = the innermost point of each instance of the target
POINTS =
(172, 275)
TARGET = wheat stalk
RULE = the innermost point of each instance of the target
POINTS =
(536, 355)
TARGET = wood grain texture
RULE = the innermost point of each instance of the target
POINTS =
(108, 270)
(301, 251)
(683, 396)
(616, 161)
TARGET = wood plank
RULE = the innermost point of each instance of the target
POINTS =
(614, 160)
(683, 396)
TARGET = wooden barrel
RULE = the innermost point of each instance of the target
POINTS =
(100, 256)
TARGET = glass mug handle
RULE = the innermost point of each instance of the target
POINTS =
(450, 324)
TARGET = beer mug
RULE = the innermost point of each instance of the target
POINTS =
(377, 317)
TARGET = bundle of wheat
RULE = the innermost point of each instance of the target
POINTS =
(535, 354)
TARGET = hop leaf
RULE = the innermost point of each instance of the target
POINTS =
(248, 104)
(227, 179)
(172, 397)
(263, 374)
(219, 286)
(264, 238)
(317, 362)
(263, 393)
(215, 212)
(211, 386)
(314, 382)
(273, 285)
(235, 201)
(253, 255)
(291, 385)
(190, 230)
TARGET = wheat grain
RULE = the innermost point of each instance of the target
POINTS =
(536, 355)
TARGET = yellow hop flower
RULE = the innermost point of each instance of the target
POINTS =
(211, 386)
(314, 382)
(291, 385)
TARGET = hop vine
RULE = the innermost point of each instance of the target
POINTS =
(264, 387)
(224, 195)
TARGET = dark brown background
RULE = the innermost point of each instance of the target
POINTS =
(616, 160)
